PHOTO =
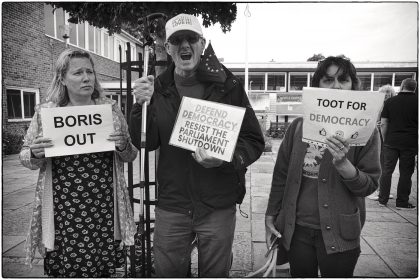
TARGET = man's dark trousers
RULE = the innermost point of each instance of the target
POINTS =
(406, 166)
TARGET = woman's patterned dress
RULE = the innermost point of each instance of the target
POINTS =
(83, 217)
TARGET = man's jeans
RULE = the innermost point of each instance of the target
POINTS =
(174, 233)
(407, 164)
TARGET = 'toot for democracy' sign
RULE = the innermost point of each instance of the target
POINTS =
(213, 126)
(348, 113)
(78, 129)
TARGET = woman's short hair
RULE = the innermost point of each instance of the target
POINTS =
(343, 64)
(57, 92)
(389, 91)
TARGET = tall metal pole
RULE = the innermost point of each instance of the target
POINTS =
(144, 172)
(247, 14)
(129, 105)
(145, 201)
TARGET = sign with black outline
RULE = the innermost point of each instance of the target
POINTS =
(78, 129)
(348, 113)
(213, 126)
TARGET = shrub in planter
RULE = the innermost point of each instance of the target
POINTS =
(13, 140)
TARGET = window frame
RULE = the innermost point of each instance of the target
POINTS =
(289, 78)
(366, 74)
(391, 74)
(264, 80)
(277, 74)
(49, 11)
(22, 104)
(413, 75)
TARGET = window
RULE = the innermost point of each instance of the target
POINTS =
(21, 103)
(119, 44)
(81, 34)
(98, 41)
(381, 79)
(276, 81)
(73, 34)
(14, 104)
(59, 21)
(106, 44)
(399, 77)
(49, 20)
(365, 81)
(256, 81)
(114, 95)
(28, 104)
(91, 35)
(133, 52)
(297, 81)
(111, 48)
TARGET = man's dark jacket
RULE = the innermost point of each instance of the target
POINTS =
(402, 112)
(184, 185)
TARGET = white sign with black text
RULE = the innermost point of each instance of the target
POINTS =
(78, 129)
(213, 126)
(350, 114)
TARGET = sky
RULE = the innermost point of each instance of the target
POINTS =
(293, 32)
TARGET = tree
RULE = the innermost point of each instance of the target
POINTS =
(343, 56)
(130, 16)
(115, 15)
(316, 57)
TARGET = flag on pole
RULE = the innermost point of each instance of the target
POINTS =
(210, 69)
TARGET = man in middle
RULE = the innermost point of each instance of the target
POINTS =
(197, 193)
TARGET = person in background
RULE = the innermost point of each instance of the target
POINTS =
(197, 193)
(389, 92)
(399, 120)
(317, 199)
(82, 209)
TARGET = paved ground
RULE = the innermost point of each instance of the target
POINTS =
(389, 237)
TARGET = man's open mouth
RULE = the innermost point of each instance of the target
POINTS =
(186, 56)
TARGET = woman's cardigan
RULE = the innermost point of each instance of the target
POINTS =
(341, 202)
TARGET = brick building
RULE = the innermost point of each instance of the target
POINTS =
(32, 39)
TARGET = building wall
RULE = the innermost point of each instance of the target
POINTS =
(29, 55)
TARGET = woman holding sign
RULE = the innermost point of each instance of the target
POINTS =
(82, 209)
(317, 198)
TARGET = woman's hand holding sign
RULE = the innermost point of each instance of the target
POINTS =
(39, 145)
(120, 139)
(205, 160)
(339, 147)
(143, 89)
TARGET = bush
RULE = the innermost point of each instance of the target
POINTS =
(13, 140)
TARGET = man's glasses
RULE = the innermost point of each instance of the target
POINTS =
(177, 40)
